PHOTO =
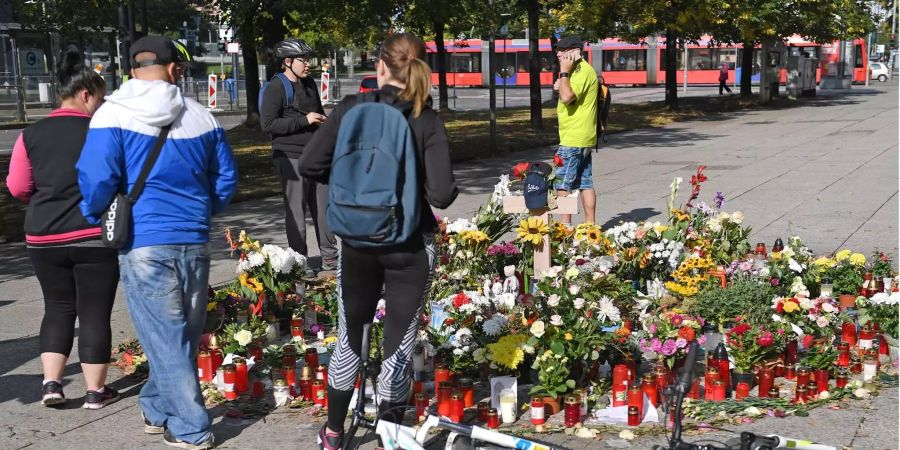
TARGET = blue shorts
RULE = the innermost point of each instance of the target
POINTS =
(575, 172)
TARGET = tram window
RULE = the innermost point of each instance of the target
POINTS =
(546, 61)
(724, 56)
(624, 60)
(678, 59)
(462, 62)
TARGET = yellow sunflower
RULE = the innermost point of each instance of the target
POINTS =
(585, 231)
(476, 236)
(532, 230)
(251, 283)
(595, 236)
(560, 231)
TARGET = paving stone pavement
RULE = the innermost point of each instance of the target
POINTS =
(825, 169)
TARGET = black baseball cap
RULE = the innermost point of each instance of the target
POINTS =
(162, 47)
(570, 42)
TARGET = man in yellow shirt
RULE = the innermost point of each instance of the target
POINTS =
(577, 112)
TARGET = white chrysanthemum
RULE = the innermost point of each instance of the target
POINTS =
(460, 225)
(606, 310)
(256, 259)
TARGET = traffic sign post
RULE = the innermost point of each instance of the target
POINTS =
(324, 92)
(213, 89)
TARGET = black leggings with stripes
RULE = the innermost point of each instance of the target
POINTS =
(404, 272)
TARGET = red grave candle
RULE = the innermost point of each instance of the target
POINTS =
(848, 333)
(636, 398)
(766, 379)
(742, 390)
(205, 369)
(421, 406)
(648, 386)
(572, 412)
(493, 419)
(537, 411)
(457, 407)
(242, 380)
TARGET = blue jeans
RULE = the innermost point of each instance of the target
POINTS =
(575, 172)
(166, 291)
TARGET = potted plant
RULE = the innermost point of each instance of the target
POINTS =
(883, 309)
(845, 271)
(553, 379)
(749, 345)
(820, 359)
(743, 297)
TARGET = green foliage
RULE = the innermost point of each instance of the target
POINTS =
(820, 357)
(747, 298)
(846, 278)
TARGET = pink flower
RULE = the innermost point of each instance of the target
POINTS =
(652, 328)
(677, 319)
(765, 339)
(668, 348)
(655, 345)
(701, 340)
(681, 343)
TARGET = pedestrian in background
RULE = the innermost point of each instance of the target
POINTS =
(402, 271)
(291, 123)
(78, 275)
(723, 78)
(577, 111)
(165, 269)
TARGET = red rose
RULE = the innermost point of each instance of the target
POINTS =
(779, 308)
(741, 329)
(520, 169)
(460, 299)
(557, 160)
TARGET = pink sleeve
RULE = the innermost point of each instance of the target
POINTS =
(20, 180)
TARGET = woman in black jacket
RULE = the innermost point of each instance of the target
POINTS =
(78, 275)
(404, 270)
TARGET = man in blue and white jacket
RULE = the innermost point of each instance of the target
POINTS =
(166, 268)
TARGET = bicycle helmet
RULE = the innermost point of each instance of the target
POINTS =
(182, 56)
(292, 48)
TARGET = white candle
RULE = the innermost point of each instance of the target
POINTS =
(508, 406)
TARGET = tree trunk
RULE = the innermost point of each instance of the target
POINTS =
(747, 69)
(273, 31)
(534, 66)
(554, 67)
(251, 75)
(671, 71)
(441, 64)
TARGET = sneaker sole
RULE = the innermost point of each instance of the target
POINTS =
(153, 429)
(188, 446)
(101, 404)
(53, 401)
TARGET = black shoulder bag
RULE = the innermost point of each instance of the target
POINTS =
(116, 220)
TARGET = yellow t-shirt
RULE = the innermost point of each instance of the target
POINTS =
(578, 120)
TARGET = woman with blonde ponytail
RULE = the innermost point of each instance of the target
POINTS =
(402, 271)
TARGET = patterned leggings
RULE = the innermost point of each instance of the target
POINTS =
(404, 272)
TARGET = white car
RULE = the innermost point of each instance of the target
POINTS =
(879, 71)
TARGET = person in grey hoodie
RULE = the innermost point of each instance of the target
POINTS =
(165, 269)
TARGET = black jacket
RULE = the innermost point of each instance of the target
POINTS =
(288, 127)
(432, 149)
(53, 146)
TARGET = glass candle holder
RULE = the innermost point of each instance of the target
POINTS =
(572, 412)
(766, 379)
(537, 411)
(634, 416)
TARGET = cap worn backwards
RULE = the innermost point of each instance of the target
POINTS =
(162, 47)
